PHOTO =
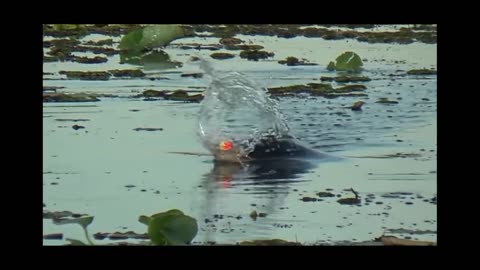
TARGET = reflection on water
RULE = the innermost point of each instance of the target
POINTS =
(263, 172)
(155, 60)
(267, 183)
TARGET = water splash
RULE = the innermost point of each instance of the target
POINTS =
(237, 109)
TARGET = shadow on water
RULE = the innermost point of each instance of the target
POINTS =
(272, 163)
(232, 187)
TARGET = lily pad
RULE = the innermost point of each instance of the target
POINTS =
(151, 37)
(170, 228)
(144, 219)
(347, 61)
(331, 66)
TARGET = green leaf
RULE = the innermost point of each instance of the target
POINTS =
(174, 212)
(82, 221)
(144, 220)
(85, 221)
(161, 35)
(331, 66)
(172, 228)
(151, 37)
(348, 61)
(132, 40)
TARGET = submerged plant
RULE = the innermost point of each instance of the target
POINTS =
(83, 222)
(172, 227)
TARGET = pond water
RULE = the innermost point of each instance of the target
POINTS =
(115, 173)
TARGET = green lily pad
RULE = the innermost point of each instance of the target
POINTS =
(348, 61)
(331, 66)
(170, 228)
(144, 220)
(85, 221)
(151, 37)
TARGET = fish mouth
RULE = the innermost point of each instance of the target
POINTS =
(269, 150)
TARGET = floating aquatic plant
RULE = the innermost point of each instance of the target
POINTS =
(347, 61)
(150, 37)
(172, 227)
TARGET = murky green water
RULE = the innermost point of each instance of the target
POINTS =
(92, 166)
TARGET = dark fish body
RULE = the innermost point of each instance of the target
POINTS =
(289, 148)
(274, 159)
(269, 149)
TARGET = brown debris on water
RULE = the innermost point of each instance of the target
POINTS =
(422, 72)
(53, 236)
(64, 97)
(255, 55)
(394, 241)
(357, 106)
(120, 235)
(152, 93)
(402, 36)
(386, 101)
(87, 60)
(182, 95)
(230, 41)
(76, 127)
(95, 50)
(319, 89)
(350, 201)
(194, 75)
(309, 199)
(293, 61)
(148, 129)
(325, 194)
(345, 79)
(222, 56)
(102, 42)
(86, 75)
(127, 73)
